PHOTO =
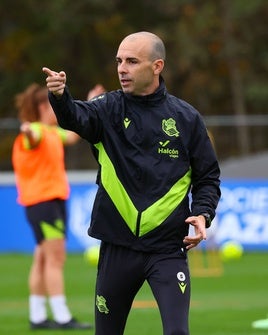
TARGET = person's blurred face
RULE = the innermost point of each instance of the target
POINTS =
(137, 73)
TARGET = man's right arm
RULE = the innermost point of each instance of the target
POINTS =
(78, 116)
(59, 98)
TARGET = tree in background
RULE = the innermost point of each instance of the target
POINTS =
(217, 55)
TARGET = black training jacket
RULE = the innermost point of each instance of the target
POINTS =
(157, 166)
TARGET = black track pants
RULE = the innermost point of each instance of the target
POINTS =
(122, 272)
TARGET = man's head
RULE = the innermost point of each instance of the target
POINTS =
(140, 60)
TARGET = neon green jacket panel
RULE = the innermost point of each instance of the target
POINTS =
(155, 214)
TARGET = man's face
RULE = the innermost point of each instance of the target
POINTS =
(135, 68)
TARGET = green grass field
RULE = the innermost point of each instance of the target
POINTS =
(221, 305)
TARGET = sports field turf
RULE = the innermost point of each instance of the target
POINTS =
(223, 304)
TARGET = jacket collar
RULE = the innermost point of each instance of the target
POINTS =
(151, 99)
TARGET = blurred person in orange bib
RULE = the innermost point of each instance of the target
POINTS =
(42, 185)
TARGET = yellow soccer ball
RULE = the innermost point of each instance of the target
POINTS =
(91, 255)
(231, 250)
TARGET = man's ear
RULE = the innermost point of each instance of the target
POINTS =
(158, 66)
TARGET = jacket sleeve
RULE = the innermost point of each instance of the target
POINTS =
(78, 116)
(205, 172)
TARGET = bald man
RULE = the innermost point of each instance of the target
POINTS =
(153, 151)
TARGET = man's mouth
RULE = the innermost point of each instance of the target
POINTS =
(125, 81)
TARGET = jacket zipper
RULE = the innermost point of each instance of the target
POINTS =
(138, 224)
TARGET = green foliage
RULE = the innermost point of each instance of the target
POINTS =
(207, 41)
(81, 37)
(224, 305)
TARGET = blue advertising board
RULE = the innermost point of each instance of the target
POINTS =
(241, 216)
(242, 213)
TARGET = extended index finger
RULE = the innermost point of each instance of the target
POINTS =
(49, 72)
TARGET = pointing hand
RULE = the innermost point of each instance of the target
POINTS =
(55, 81)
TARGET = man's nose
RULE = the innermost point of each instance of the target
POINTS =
(122, 68)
